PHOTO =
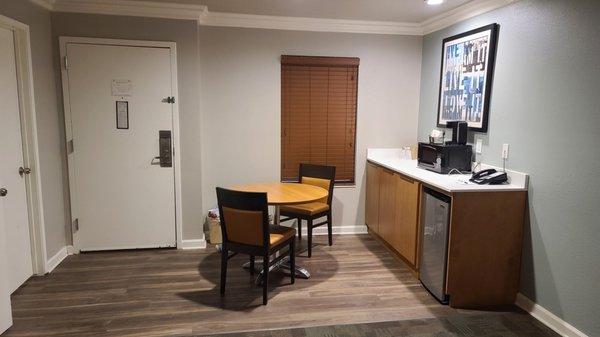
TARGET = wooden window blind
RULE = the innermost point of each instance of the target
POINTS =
(318, 114)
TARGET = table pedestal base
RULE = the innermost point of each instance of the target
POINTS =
(282, 264)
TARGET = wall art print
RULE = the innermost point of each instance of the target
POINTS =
(466, 77)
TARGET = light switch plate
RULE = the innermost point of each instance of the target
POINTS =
(504, 151)
(478, 145)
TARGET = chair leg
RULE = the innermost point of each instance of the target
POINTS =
(224, 254)
(251, 264)
(329, 228)
(293, 261)
(309, 228)
(265, 279)
(299, 221)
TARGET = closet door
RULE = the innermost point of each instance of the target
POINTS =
(12, 171)
(5, 310)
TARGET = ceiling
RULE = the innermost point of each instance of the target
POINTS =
(411, 11)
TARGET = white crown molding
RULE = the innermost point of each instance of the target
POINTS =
(131, 8)
(549, 319)
(309, 24)
(204, 17)
(461, 13)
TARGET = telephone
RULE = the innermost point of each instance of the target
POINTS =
(489, 176)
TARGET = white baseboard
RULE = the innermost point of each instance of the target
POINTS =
(336, 229)
(193, 244)
(71, 250)
(55, 260)
(549, 319)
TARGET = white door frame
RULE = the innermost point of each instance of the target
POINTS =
(31, 156)
(63, 41)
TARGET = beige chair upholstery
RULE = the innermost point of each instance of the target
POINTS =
(279, 234)
(315, 207)
(310, 208)
(322, 183)
(246, 227)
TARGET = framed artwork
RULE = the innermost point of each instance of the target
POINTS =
(466, 77)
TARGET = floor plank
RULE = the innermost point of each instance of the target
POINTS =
(502, 324)
(174, 292)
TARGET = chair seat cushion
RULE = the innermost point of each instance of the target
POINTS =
(279, 234)
(310, 208)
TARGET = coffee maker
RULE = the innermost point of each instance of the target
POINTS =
(459, 132)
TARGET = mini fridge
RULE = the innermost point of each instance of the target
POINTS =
(434, 243)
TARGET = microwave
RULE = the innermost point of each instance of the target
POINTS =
(443, 158)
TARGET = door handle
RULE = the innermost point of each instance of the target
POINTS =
(24, 170)
(3, 192)
(154, 161)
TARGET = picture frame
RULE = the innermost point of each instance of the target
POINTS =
(466, 76)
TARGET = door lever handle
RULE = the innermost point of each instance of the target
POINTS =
(154, 161)
(24, 170)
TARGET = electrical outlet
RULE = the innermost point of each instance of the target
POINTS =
(478, 145)
(504, 151)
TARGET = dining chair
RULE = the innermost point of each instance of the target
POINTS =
(321, 176)
(245, 229)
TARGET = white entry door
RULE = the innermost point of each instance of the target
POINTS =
(14, 201)
(121, 197)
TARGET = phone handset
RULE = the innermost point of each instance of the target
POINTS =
(489, 176)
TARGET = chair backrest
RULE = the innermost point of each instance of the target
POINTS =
(318, 175)
(244, 217)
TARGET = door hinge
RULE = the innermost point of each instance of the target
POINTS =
(70, 148)
(76, 225)
(66, 62)
(170, 100)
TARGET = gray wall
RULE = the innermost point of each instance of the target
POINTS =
(49, 122)
(184, 33)
(545, 104)
(241, 103)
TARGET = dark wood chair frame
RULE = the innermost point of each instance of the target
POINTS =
(251, 201)
(321, 172)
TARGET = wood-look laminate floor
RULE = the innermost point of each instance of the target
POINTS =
(174, 292)
(501, 324)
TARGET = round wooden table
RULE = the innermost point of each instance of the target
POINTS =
(279, 194)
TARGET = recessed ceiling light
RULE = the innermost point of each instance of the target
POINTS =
(433, 2)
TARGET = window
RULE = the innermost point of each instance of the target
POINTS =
(318, 114)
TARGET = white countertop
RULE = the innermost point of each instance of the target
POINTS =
(391, 159)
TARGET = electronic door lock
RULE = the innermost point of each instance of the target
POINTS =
(165, 150)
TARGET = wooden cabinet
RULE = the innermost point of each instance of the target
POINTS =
(387, 205)
(372, 197)
(405, 237)
(392, 208)
(485, 235)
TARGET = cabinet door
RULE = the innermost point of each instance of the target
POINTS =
(372, 198)
(387, 204)
(405, 234)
